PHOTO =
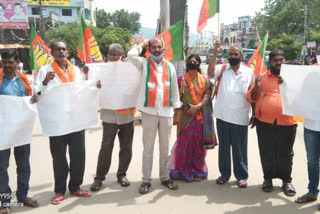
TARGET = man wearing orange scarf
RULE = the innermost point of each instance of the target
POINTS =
(14, 83)
(158, 96)
(59, 72)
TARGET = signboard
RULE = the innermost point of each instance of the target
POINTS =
(14, 14)
(311, 44)
(63, 3)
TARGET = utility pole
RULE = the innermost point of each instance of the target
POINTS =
(41, 24)
(164, 15)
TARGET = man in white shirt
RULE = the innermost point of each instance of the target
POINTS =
(232, 113)
(158, 97)
(312, 142)
(58, 72)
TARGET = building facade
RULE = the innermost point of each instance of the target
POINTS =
(246, 30)
(61, 14)
(239, 33)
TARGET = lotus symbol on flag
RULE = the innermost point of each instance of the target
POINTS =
(42, 56)
(164, 44)
(95, 53)
(253, 64)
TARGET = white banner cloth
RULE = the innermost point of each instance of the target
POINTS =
(68, 107)
(17, 117)
(300, 91)
(120, 84)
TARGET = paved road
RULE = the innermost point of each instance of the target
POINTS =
(196, 197)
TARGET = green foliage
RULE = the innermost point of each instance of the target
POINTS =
(104, 37)
(286, 43)
(68, 33)
(315, 36)
(252, 44)
(284, 19)
(120, 18)
(103, 18)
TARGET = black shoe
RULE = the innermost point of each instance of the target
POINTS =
(267, 185)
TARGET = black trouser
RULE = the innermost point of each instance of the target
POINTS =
(276, 149)
(125, 134)
(58, 148)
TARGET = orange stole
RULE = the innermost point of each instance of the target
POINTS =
(151, 93)
(125, 112)
(23, 78)
(200, 86)
(60, 74)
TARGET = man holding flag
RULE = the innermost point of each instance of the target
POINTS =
(232, 113)
(158, 97)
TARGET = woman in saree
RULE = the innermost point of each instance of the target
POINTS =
(195, 133)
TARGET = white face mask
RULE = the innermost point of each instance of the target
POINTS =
(318, 59)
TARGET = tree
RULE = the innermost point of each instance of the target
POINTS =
(287, 16)
(104, 37)
(252, 44)
(120, 18)
(103, 18)
(66, 33)
(286, 43)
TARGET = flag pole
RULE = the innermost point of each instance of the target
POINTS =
(262, 61)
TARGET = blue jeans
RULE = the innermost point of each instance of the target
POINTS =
(235, 136)
(312, 142)
(22, 156)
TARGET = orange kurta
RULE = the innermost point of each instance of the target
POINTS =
(268, 102)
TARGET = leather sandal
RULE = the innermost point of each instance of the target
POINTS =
(288, 189)
(123, 181)
(242, 183)
(28, 202)
(305, 198)
(221, 180)
(170, 184)
(144, 188)
(96, 185)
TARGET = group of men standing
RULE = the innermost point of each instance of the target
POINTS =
(239, 92)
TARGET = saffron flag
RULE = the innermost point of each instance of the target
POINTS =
(256, 62)
(40, 54)
(208, 9)
(88, 49)
(172, 41)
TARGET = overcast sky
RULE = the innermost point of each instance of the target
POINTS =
(150, 10)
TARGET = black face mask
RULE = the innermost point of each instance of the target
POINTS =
(234, 62)
(192, 66)
(274, 71)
